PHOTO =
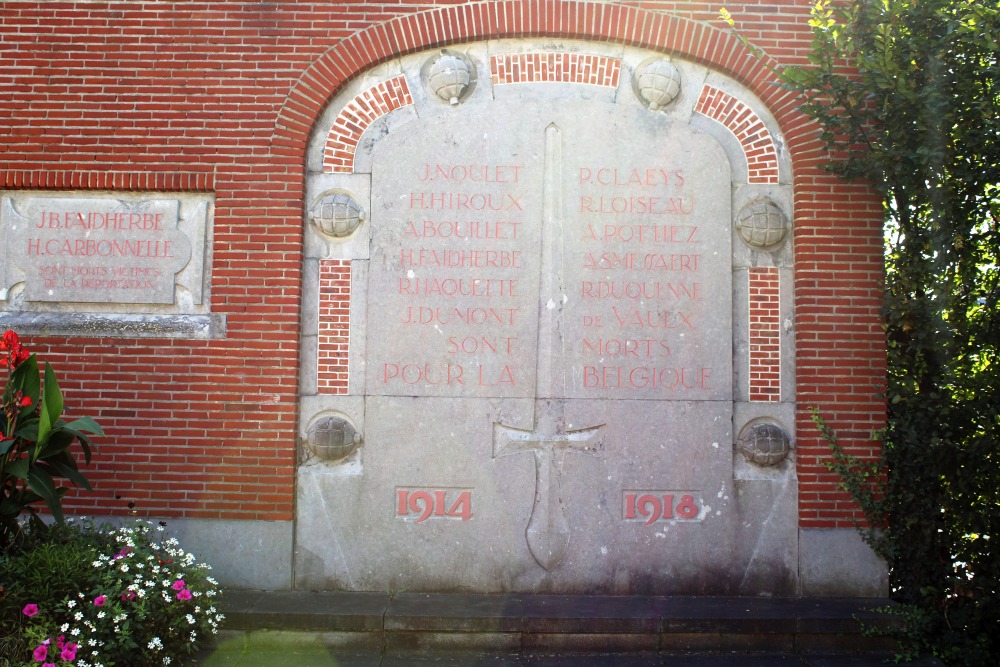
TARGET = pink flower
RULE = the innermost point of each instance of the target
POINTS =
(68, 652)
(128, 596)
(100, 600)
(40, 653)
(49, 664)
(30, 610)
(179, 584)
(184, 595)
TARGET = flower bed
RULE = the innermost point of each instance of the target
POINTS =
(141, 601)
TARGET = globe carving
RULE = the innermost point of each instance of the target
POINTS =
(659, 83)
(764, 444)
(333, 439)
(337, 215)
(449, 77)
(762, 225)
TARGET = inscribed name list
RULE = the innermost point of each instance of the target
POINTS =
(99, 250)
(649, 268)
(644, 266)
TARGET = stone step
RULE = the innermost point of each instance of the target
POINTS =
(431, 623)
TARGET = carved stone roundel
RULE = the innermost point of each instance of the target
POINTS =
(333, 438)
(765, 444)
(762, 224)
(658, 83)
(449, 77)
(337, 215)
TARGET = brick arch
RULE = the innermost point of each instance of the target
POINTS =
(493, 19)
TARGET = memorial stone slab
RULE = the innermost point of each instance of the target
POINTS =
(547, 397)
(110, 261)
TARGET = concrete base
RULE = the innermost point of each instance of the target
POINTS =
(243, 554)
(837, 563)
(253, 555)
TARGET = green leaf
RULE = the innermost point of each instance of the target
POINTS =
(85, 424)
(10, 507)
(57, 442)
(18, 469)
(52, 405)
(41, 483)
(25, 379)
(28, 430)
(65, 466)
(53, 399)
(85, 442)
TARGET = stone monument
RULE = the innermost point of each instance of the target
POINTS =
(545, 317)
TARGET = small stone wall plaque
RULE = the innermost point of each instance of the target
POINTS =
(95, 249)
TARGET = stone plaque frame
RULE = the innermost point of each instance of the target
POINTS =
(338, 334)
(100, 263)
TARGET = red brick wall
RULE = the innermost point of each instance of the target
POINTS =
(222, 96)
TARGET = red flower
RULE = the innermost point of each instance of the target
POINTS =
(16, 353)
(24, 402)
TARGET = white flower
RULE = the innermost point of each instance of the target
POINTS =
(75, 631)
(71, 604)
(64, 627)
(100, 614)
(154, 644)
(78, 616)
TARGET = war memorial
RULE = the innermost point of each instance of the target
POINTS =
(511, 296)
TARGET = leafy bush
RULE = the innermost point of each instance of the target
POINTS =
(34, 443)
(906, 95)
(49, 566)
(97, 597)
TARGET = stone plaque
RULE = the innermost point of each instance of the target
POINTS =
(624, 243)
(99, 249)
(543, 313)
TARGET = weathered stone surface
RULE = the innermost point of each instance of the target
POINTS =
(117, 264)
(542, 355)
(96, 249)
